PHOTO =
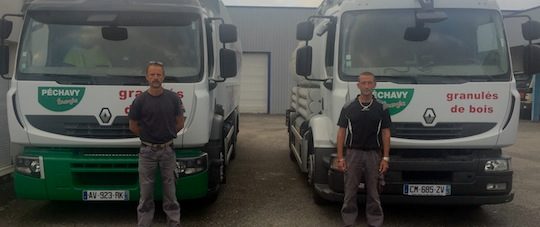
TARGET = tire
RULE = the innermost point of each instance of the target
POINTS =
(223, 169)
(216, 171)
(317, 199)
(235, 138)
(291, 140)
(311, 157)
(310, 168)
(210, 198)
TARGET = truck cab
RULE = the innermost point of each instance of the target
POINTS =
(443, 69)
(79, 66)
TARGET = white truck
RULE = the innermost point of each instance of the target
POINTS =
(443, 68)
(68, 101)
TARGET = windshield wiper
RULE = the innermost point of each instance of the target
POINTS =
(121, 80)
(398, 79)
(91, 79)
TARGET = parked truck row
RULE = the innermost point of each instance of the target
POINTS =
(443, 68)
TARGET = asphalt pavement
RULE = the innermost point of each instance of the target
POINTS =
(265, 188)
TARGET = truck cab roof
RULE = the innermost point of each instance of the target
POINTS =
(329, 7)
(115, 5)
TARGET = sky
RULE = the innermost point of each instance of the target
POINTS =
(504, 4)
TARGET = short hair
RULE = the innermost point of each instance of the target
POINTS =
(366, 73)
(155, 63)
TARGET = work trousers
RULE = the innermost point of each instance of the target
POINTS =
(150, 159)
(360, 162)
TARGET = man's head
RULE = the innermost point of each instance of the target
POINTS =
(366, 83)
(89, 36)
(155, 74)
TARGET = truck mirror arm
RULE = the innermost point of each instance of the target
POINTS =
(212, 83)
(328, 83)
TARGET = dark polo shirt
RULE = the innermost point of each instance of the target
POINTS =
(157, 115)
(364, 125)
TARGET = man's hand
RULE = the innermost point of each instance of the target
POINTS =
(341, 165)
(383, 166)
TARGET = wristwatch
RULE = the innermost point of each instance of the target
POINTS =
(386, 158)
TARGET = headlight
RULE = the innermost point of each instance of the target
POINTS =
(190, 166)
(31, 166)
(497, 165)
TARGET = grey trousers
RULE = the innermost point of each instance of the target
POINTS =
(149, 160)
(362, 163)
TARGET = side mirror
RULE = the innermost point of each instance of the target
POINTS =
(531, 58)
(228, 33)
(5, 28)
(304, 31)
(417, 34)
(303, 60)
(4, 60)
(114, 33)
(227, 63)
(530, 30)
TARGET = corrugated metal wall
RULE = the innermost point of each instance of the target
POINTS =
(267, 29)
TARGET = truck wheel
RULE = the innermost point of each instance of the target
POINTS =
(209, 198)
(310, 158)
(310, 168)
(291, 143)
(317, 199)
(216, 171)
(235, 138)
(222, 169)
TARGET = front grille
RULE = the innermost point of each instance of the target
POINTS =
(413, 130)
(85, 179)
(82, 126)
(108, 173)
(104, 166)
(427, 176)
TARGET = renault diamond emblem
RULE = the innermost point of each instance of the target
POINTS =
(105, 115)
(429, 116)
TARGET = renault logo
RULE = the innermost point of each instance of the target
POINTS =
(105, 115)
(429, 116)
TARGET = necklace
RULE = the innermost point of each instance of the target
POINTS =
(366, 108)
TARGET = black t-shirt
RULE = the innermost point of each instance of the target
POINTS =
(157, 115)
(364, 125)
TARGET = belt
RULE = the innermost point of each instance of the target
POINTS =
(364, 148)
(156, 145)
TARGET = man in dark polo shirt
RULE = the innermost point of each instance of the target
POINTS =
(364, 129)
(156, 116)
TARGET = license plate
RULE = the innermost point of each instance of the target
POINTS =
(427, 189)
(105, 195)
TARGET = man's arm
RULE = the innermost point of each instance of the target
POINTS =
(134, 127)
(383, 167)
(339, 147)
(386, 142)
(179, 123)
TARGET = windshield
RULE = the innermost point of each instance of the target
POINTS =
(468, 46)
(111, 48)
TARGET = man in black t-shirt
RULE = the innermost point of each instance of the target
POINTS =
(156, 116)
(364, 130)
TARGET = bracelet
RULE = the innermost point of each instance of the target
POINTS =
(341, 160)
(386, 158)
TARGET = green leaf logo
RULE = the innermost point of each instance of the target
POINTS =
(60, 99)
(396, 99)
